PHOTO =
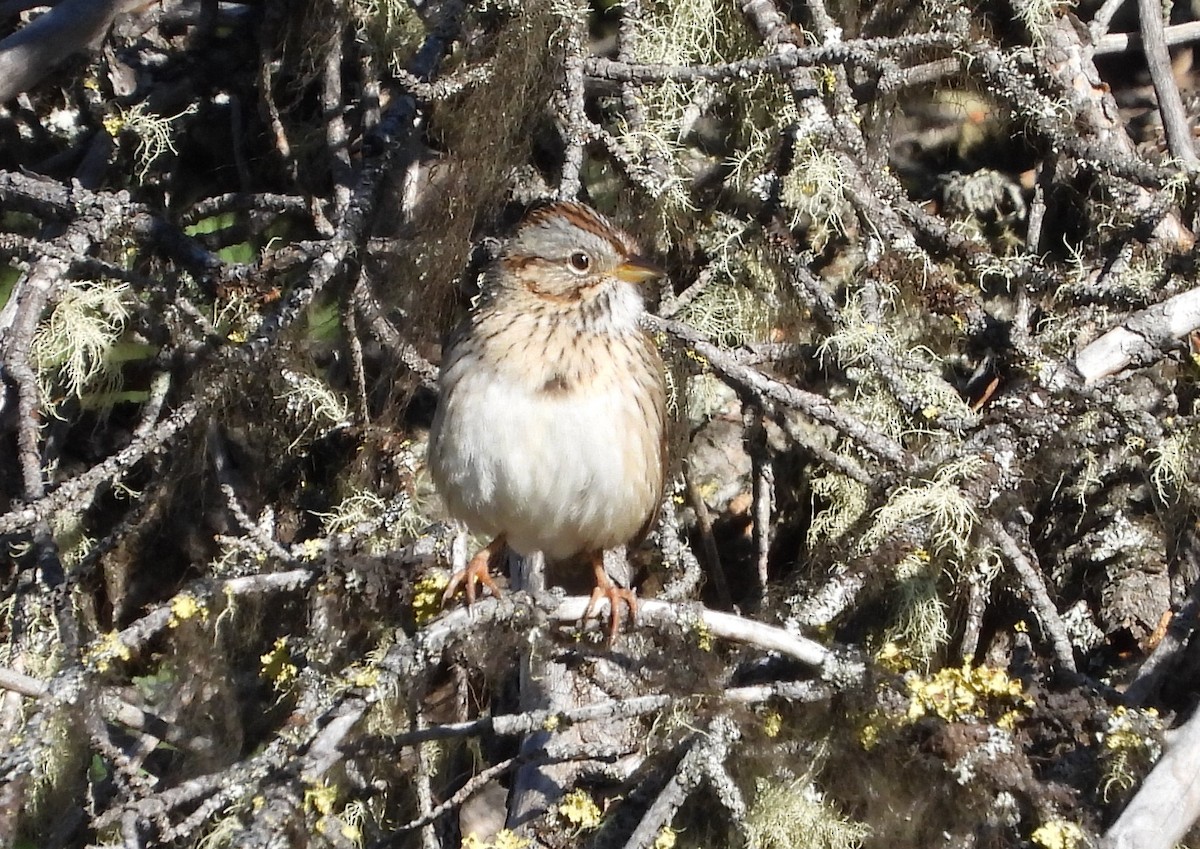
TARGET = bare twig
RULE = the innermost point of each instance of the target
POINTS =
(1168, 802)
(1142, 338)
(33, 51)
(708, 543)
(1035, 585)
(1103, 18)
(808, 403)
(1120, 42)
(1170, 104)
(705, 754)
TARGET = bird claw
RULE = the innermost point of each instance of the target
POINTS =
(616, 597)
(477, 572)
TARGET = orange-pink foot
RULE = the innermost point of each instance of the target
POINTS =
(477, 572)
(616, 596)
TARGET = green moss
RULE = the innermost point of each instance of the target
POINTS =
(948, 514)
(76, 346)
(785, 814)
(919, 620)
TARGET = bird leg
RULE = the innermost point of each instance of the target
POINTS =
(616, 596)
(476, 572)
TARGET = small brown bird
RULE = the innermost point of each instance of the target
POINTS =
(550, 429)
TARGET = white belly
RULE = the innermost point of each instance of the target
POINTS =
(561, 473)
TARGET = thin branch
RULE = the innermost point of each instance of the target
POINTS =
(1170, 105)
(708, 543)
(33, 51)
(1035, 585)
(1102, 18)
(517, 607)
(1142, 338)
(1120, 42)
(817, 407)
(574, 125)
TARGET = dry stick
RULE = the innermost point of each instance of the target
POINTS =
(1037, 208)
(326, 747)
(895, 374)
(18, 682)
(449, 86)
(160, 386)
(728, 626)
(222, 794)
(1031, 579)
(309, 750)
(1119, 42)
(96, 213)
(549, 756)
(894, 80)
(763, 500)
(707, 541)
(254, 530)
(154, 726)
(520, 607)
(368, 307)
(809, 403)
(1091, 129)
(1142, 338)
(234, 782)
(424, 791)
(84, 486)
(135, 636)
(130, 836)
(678, 555)
(812, 290)
(706, 752)
(844, 113)
(125, 773)
(627, 36)
(324, 268)
(33, 294)
(848, 466)
(685, 778)
(672, 304)
(573, 122)
(548, 683)
(29, 419)
(518, 724)
(71, 494)
(833, 598)
(30, 250)
(243, 202)
(357, 364)
(870, 52)
(428, 816)
(973, 626)
(635, 118)
(33, 51)
(336, 134)
(1168, 802)
(19, 320)
(1102, 18)
(1170, 104)
(279, 132)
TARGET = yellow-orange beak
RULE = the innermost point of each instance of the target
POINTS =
(637, 270)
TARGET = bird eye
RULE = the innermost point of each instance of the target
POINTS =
(580, 261)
